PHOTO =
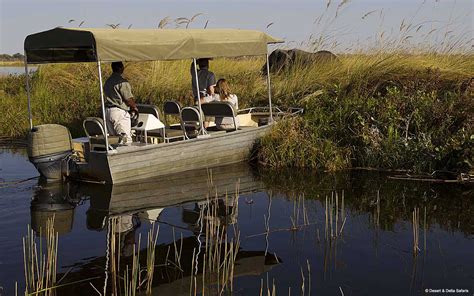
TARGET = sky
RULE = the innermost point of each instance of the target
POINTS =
(344, 25)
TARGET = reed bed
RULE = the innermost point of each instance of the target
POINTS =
(305, 282)
(271, 289)
(131, 279)
(212, 265)
(299, 212)
(386, 110)
(219, 252)
(335, 217)
(399, 100)
(150, 259)
(416, 230)
(40, 264)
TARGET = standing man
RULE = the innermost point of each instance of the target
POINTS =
(206, 79)
(119, 100)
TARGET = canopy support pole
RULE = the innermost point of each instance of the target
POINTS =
(103, 106)
(269, 86)
(201, 130)
(27, 77)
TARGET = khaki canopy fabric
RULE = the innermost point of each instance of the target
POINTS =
(61, 45)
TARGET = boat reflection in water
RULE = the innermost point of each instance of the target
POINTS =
(53, 200)
(202, 200)
(327, 222)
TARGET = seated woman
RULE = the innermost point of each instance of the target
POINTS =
(222, 93)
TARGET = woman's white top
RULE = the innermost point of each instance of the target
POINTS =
(225, 122)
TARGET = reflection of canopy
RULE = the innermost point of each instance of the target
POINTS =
(78, 44)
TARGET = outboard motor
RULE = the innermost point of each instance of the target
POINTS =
(49, 146)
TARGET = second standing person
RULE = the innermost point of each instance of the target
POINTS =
(206, 79)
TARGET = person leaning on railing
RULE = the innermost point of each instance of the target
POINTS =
(119, 101)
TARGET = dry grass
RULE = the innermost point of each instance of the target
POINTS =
(16, 63)
(360, 111)
(416, 230)
(393, 111)
(212, 265)
(334, 216)
(74, 88)
(415, 72)
(41, 264)
(150, 259)
(219, 250)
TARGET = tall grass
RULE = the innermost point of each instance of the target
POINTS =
(150, 259)
(212, 264)
(216, 258)
(40, 264)
(389, 110)
(14, 63)
(416, 230)
(132, 274)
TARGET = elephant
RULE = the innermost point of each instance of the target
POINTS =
(281, 59)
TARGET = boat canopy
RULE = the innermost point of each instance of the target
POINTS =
(66, 45)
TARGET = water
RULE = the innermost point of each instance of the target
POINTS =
(15, 70)
(370, 251)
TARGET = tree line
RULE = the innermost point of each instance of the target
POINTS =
(13, 57)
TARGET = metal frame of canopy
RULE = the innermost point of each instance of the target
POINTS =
(98, 61)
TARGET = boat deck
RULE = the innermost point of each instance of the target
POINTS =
(141, 146)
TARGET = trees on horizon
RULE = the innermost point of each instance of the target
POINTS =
(13, 57)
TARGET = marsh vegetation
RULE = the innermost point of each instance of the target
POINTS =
(395, 111)
(402, 99)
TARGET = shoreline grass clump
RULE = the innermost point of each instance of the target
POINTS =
(390, 112)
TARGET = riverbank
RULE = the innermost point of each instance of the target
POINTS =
(13, 63)
(391, 111)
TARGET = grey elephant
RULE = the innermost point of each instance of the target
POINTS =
(281, 59)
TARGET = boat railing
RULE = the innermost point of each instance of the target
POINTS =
(278, 111)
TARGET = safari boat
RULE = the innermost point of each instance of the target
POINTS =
(161, 149)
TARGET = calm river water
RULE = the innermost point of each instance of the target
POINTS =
(344, 234)
(15, 70)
